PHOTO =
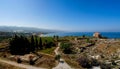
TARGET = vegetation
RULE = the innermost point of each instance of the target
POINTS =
(48, 39)
(56, 37)
(32, 44)
(87, 62)
(80, 52)
(20, 45)
(105, 66)
(73, 64)
(40, 43)
(19, 60)
(36, 43)
(84, 62)
(66, 47)
(31, 62)
(4, 37)
(57, 57)
(48, 50)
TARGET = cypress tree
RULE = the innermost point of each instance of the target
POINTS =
(19, 45)
(36, 42)
(40, 43)
(57, 37)
(32, 45)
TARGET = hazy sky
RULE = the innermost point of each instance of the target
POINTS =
(70, 15)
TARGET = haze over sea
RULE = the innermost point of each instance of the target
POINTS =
(105, 34)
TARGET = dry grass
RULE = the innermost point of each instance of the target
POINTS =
(73, 64)
(3, 45)
(7, 66)
(108, 48)
(46, 62)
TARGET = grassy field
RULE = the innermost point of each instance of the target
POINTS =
(48, 50)
(49, 39)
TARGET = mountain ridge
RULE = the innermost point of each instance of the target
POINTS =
(25, 29)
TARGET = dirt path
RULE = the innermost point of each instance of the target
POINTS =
(56, 50)
(61, 65)
(19, 65)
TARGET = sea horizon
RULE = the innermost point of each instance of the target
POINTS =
(90, 34)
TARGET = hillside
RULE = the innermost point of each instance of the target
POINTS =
(24, 29)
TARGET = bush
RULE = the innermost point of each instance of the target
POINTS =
(105, 66)
(94, 62)
(84, 62)
(66, 47)
(32, 62)
(19, 60)
(57, 57)
(113, 62)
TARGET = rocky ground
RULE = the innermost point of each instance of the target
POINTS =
(106, 51)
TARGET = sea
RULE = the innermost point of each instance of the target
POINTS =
(111, 35)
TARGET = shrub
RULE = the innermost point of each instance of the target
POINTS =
(94, 62)
(105, 66)
(19, 60)
(84, 62)
(57, 57)
(32, 62)
(66, 47)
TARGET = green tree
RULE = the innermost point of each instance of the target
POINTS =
(19, 45)
(32, 45)
(40, 43)
(36, 43)
(83, 36)
(57, 37)
(57, 57)
(66, 47)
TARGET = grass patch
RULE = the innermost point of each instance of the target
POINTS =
(48, 50)
(49, 39)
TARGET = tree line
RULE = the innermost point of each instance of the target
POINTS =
(20, 45)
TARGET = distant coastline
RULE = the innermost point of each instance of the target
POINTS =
(115, 35)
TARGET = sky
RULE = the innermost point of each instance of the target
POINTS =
(66, 15)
